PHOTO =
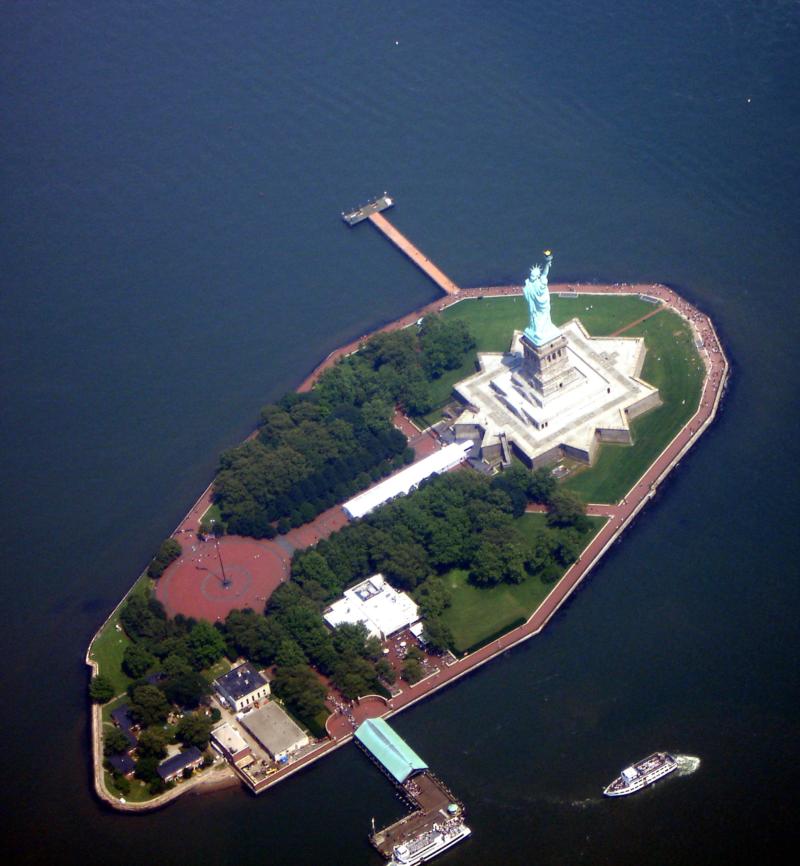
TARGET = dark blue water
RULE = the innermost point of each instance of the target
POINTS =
(172, 258)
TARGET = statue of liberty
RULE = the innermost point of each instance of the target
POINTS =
(541, 328)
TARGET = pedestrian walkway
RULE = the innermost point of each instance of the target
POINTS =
(420, 260)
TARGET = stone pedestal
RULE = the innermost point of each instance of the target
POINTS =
(547, 367)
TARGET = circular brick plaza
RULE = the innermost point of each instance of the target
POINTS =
(211, 579)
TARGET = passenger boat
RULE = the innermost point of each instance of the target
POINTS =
(641, 774)
(429, 844)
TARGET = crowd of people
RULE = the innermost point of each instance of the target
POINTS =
(343, 708)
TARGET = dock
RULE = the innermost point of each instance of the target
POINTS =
(372, 211)
(373, 206)
(435, 811)
(419, 258)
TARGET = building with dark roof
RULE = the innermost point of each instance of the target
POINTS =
(171, 768)
(123, 764)
(122, 719)
(242, 687)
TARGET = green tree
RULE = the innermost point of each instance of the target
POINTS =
(186, 689)
(433, 597)
(566, 509)
(101, 689)
(205, 644)
(385, 671)
(412, 671)
(148, 705)
(158, 786)
(143, 619)
(437, 634)
(137, 661)
(169, 551)
(350, 637)
(406, 564)
(147, 768)
(114, 742)
(289, 654)
(194, 730)
(303, 692)
(487, 568)
(122, 785)
(567, 548)
(152, 743)
(354, 676)
(175, 665)
(541, 485)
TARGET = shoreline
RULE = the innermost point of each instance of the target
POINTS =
(717, 370)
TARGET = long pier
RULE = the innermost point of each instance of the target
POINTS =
(419, 258)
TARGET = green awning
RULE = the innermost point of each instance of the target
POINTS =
(390, 750)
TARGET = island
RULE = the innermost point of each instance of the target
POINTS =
(427, 499)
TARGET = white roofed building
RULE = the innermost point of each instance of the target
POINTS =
(232, 745)
(407, 479)
(381, 608)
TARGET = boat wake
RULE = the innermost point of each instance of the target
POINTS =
(586, 803)
(687, 764)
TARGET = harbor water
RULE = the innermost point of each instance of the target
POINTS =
(173, 257)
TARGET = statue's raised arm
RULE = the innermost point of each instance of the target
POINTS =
(541, 328)
(548, 260)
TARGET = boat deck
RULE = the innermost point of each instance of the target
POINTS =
(430, 798)
(359, 214)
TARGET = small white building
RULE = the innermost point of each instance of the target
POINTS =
(232, 745)
(242, 687)
(407, 479)
(381, 608)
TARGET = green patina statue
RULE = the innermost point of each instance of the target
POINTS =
(541, 328)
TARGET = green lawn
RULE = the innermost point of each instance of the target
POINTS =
(675, 368)
(492, 321)
(213, 513)
(137, 794)
(217, 669)
(479, 613)
(108, 647)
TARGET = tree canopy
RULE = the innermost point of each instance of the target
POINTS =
(169, 550)
(194, 730)
(313, 450)
(101, 689)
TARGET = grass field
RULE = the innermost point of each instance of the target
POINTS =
(675, 368)
(477, 613)
(492, 321)
(108, 647)
(213, 514)
(138, 792)
(672, 365)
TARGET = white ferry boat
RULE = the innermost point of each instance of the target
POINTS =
(429, 844)
(642, 774)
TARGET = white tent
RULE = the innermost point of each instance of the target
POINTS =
(407, 479)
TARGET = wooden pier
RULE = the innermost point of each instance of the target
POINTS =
(420, 259)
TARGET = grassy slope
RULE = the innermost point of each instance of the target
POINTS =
(674, 367)
(108, 647)
(478, 613)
